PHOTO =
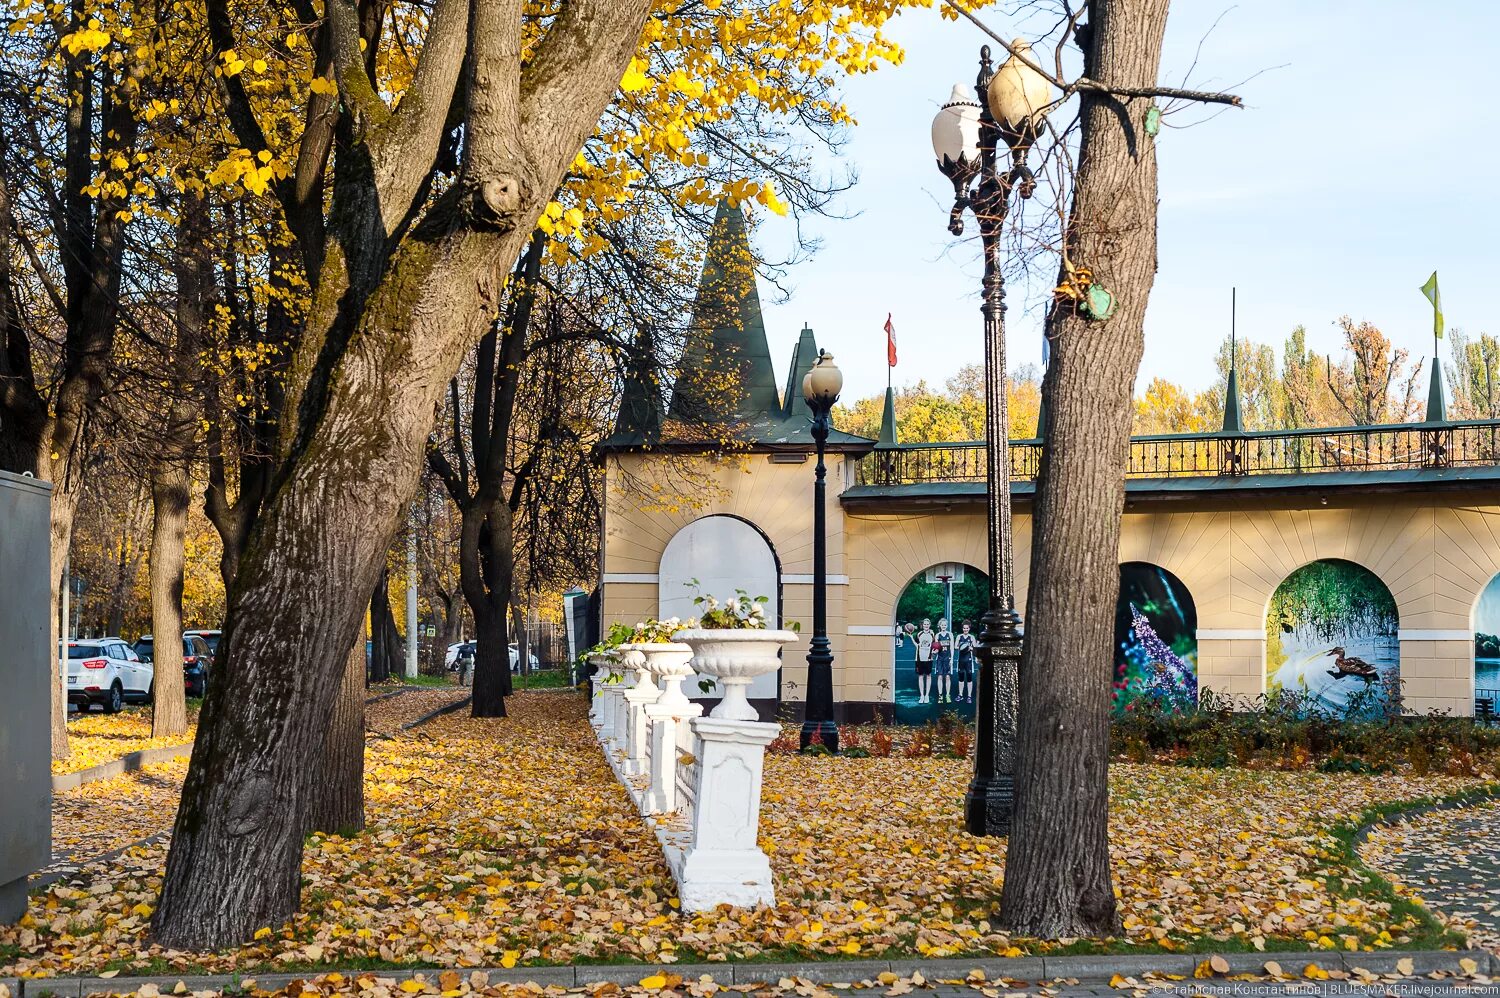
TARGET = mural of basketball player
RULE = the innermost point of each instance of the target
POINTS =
(942, 663)
(926, 641)
(964, 647)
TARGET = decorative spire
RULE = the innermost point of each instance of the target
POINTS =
(888, 436)
(1232, 422)
(804, 355)
(640, 403)
(725, 373)
(1437, 412)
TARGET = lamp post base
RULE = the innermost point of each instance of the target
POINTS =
(989, 805)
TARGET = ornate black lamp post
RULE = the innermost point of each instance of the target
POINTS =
(969, 138)
(821, 389)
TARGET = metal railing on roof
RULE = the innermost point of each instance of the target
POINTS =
(1388, 447)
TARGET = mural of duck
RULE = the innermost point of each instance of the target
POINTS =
(1350, 666)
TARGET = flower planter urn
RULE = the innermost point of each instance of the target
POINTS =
(733, 657)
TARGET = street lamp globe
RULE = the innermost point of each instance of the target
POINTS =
(955, 133)
(822, 384)
(1019, 95)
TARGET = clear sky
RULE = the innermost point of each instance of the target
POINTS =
(1365, 159)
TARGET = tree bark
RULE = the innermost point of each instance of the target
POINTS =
(385, 642)
(336, 787)
(171, 471)
(1057, 876)
(487, 589)
(387, 329)
(169, 505)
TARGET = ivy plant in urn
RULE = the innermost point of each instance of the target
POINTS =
(733, 645)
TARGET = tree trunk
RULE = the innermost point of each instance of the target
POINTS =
(336, 787)
(169, 506)
(171, 471)
(486, 557)
(385, 641)
(523, 639)
(387, 330)
(1057, 876)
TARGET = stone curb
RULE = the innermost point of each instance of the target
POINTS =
(1085, 969)
(388, 695)
(129, 763)
(433, 714)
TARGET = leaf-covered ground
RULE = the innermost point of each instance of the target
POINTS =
(497, 842)
(94, 738)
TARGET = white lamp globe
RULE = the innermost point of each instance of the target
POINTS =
(955, 129)
(824, 381)
(1018, 94)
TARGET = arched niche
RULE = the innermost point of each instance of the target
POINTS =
(1332, 637)
(926, 596)
(723, 553)
(1156, 637)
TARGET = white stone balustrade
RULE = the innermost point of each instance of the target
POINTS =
(698, 779)
(640, 695)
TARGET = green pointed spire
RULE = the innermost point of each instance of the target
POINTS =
(639, 420)
(726, 374)
(888, 435)
(1437, 412)
(1232, 422)
(804, 354)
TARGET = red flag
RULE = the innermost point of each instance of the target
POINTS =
(890, 340)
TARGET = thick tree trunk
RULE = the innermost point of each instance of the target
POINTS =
(485, 566)
(366, 385)
(523, 640)
(336, 787)
(169, 505)
(385, 641)
(1057, 876)
(171, 472)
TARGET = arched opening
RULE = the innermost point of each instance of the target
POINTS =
(1331, 638)
(722, 553)
(1487, 648)
(935, 667)
(1156, 638)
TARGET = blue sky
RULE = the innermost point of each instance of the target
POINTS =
(1364, 160)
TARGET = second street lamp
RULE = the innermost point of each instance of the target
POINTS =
(821, 389)
(968, 138)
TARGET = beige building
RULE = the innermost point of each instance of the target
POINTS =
(1230, 517)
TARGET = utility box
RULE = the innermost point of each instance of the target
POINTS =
(27, 666)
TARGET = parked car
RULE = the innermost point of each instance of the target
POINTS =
(455, 652)
(197, 660)
(107, 672)
(212, 637)
(515, 660)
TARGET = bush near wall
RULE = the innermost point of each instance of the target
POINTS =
(1285, 730)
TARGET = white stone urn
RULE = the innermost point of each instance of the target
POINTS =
(601, 663)
(734, 656)
(633, 659)
(671, 662)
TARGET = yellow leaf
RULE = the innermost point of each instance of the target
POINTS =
(654, 982)
(263, 933)
(509, 958)
(411, 987)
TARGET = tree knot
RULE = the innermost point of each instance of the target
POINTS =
(495, 200)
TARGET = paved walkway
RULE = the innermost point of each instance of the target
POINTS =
(1450, 860)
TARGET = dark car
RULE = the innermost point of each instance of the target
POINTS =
(197, 659)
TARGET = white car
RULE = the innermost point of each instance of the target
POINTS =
(107, 672)
(451, 659)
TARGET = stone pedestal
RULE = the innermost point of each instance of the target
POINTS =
(664, 717)
(638, 700)
(596, 700)
(609, 702)
(724, 865)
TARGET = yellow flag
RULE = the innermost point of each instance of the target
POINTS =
(1430, 289)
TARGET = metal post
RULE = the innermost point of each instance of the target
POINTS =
(411, 603)
(65, 628)
(990, 799)
(819, 709)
